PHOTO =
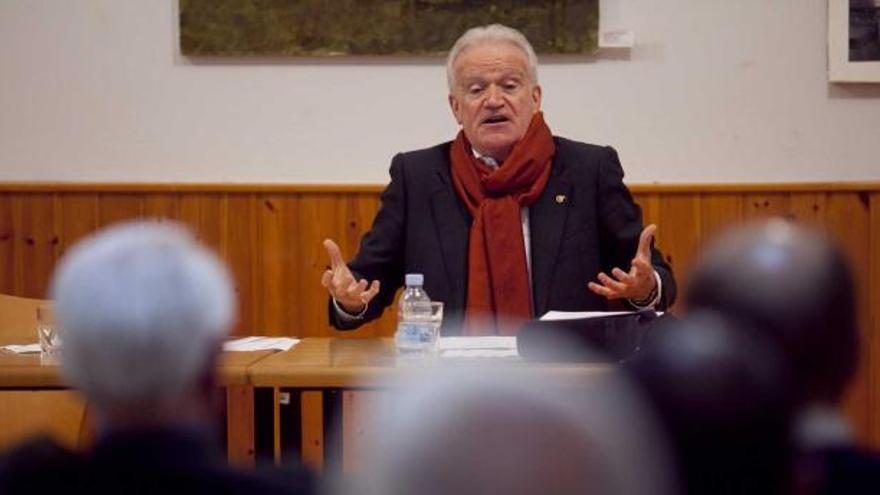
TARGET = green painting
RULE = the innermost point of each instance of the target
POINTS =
(376, 27)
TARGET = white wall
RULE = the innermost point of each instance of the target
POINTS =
(714, 91)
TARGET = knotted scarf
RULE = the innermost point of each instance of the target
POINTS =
(499, 297)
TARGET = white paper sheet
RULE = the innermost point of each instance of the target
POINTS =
(477, 347)
(491, 342)
(22, 349)
(260, 344)
(479, 353)
(581, 315)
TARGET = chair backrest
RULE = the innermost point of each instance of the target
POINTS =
(18, 319)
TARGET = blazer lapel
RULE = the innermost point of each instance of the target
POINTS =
(452, 222)
(546, 224)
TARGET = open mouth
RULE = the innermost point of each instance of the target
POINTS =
(496, 119)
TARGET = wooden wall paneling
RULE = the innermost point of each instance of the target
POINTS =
(119, 207)
(38, 243)
(280, 244)
(386, 325)
(355, 219)
(242, 253)
(38, 224)
(205, 214)
(717, 213)
(809, 207)
(7, 245)
(79, 217)
(162, 206)
(679, 235)
(873, 336)
(312, 421)
(651, 210)
(848, 219)
(18, 244)
(650, 205)
(317, 220)
(761, 205)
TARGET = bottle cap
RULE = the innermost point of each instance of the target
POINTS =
(414, 279)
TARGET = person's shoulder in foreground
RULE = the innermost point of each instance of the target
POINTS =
(25, 467)
(146, 462)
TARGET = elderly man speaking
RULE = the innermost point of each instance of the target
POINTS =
(506, 221)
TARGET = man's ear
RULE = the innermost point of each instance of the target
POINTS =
(455, 105)
(536, 97)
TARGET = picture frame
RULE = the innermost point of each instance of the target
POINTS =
(424, 28)
(853, 42)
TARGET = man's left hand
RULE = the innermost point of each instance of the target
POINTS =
(639, 282)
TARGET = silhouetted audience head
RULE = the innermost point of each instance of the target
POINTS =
(720, 393)
(143, 310)
(484, 430)
(794, 285)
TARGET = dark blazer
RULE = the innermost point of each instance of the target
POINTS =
(584, 222)
(839, 470)
(155, 461)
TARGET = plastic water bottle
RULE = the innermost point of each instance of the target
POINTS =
(415, 332)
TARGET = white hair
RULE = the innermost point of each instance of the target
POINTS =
(141, 308)
(501, 429)
(493, 33)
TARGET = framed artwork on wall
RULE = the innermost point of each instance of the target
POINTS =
(854, 40)
(319, 28)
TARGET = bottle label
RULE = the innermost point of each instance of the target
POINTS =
(416, 335)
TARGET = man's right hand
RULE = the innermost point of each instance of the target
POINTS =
(351, 295)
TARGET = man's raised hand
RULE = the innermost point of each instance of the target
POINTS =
(351, 295)
(639, 282)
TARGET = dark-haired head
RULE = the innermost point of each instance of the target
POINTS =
(792, 284)
(720, 393)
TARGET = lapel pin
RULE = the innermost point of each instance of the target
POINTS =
(560, 198)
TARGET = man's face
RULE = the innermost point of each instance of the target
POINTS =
(494, 98)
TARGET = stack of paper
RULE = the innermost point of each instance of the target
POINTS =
(22, 349)
(260, 344)
(477, 347)
(583, 315)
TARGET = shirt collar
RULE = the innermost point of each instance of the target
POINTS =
(488, 160)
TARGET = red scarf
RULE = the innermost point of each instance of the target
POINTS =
(499, 297)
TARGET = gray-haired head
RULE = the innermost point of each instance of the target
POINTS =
(142, 309)
(503, 430)
(493, 33)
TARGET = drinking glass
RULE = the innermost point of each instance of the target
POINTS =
(47, 332)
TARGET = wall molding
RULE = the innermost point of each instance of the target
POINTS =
(232, 187)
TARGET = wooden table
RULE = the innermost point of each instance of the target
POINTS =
(27, 371)
(33, 399)
(30, 371)
(329, 385)
(31, 389)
